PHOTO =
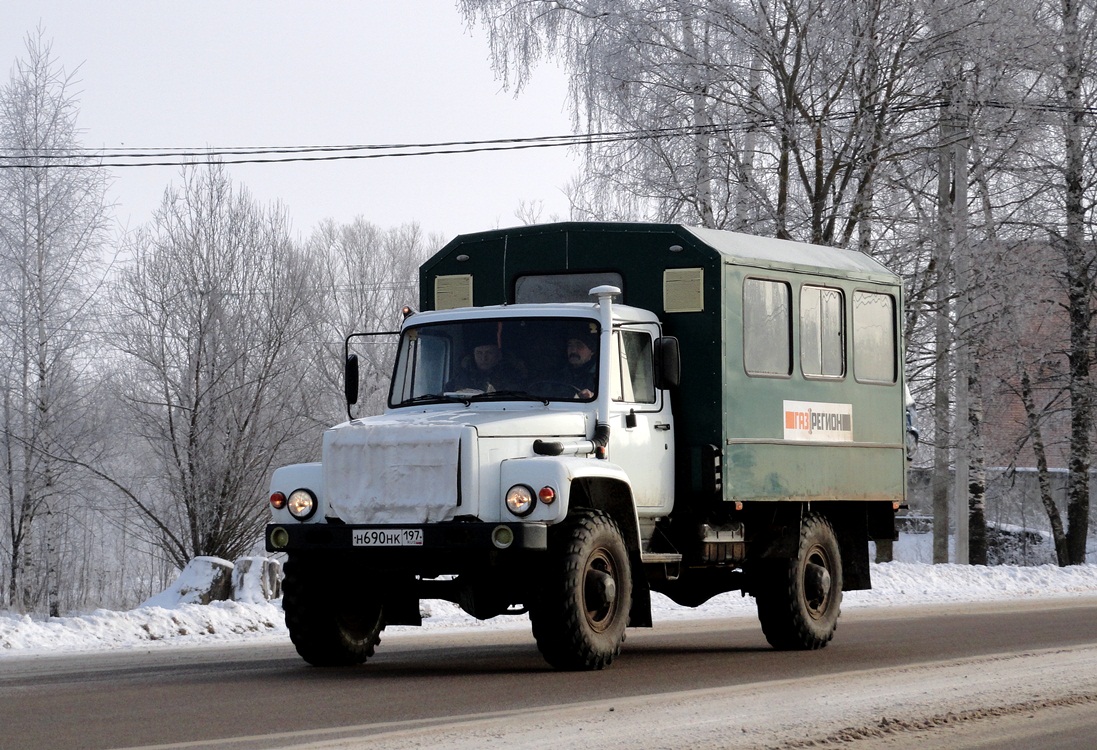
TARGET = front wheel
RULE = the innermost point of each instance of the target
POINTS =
(330, 625)
(799, 599)
(581, 614)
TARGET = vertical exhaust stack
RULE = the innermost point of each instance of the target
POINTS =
(604, 296)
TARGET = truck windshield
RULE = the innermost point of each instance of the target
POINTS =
(543, 359)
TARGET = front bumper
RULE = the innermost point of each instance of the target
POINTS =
(450, 538)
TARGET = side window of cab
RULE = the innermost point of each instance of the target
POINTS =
(632, 370)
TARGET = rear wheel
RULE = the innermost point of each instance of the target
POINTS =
(799, 599)
(330, 625)
(581, 614)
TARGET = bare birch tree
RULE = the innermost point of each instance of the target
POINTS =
(1079, 25)
(1058, 171)
(51, 236)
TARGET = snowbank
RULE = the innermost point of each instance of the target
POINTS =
(141, 627)
(176, 622)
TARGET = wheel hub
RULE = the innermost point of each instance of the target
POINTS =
(817, 584)
(601, 590)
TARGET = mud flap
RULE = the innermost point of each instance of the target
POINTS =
(640, 612)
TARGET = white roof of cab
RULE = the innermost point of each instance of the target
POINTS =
(621, 313)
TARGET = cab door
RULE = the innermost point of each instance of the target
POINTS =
(641, 424)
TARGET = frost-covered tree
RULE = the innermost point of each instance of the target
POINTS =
(942, 136)
(775, 118)
(1027, 71)
(213, 309)
(364, 276)
(52, 222)
(1077, 25)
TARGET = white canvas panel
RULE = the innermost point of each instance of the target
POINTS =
(391, 472)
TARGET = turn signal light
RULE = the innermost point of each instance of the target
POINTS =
(546, 495)
(277, 500)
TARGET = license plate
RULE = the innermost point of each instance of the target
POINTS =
(387, 537)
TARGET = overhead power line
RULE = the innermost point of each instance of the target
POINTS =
(171, 157)
(185, 156)
(168, 157)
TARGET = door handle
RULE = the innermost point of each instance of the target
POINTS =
(662, 426)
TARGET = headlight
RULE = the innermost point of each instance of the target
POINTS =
(520, 500)
(301, 504)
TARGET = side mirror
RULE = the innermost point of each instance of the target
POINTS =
(668, 362)
(350, 379)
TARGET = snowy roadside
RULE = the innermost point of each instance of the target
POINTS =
(894, 584)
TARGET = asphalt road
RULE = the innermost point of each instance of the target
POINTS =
(450, 689)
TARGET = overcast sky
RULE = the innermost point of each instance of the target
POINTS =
(215, 73)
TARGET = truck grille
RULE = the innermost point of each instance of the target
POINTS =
(393, 473)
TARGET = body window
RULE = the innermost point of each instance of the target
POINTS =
(766, 326)
(874, 347)
(822, 332)
(562, 287)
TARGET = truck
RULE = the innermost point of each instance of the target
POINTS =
(581, 414)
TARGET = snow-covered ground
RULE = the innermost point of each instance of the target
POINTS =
(168, 620)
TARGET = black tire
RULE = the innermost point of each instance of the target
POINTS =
(581, 614)
(329, 626)
(799, 599)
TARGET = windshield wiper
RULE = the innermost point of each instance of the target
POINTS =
(507, 396)
(431, 397)
(467, 397)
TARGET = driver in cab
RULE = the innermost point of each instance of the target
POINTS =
(486, 368)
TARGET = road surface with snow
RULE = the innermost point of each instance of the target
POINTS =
(894, 584)
(931, 701)
(1020, 669)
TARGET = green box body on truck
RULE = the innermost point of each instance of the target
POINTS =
(582, 413)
